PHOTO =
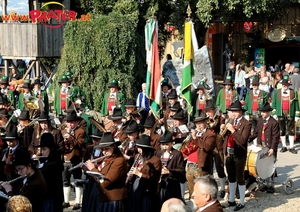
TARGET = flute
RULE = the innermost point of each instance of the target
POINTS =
(93, 161)
(13, 180)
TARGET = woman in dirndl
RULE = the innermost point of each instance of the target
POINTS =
(112, 189)
(173, 169)
(51, 168)
(144, 177)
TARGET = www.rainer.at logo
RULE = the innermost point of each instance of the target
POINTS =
(42, 16)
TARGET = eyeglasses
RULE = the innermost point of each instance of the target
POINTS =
(20, 169)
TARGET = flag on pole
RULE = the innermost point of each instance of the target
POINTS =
(153, 80)
(190, 45)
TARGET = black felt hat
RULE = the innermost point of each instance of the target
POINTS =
(114, 84)
(228, 81)
(37, 81)
(175, 107)
(24, 115)
(43, 116)
(47, 140)
(172, 94)
(150, 121)
(12, 133)
(117, 114)
(202, 117)
(96, 134)
(144, 141)
(21, 157)
(72, 116)
(179, 115)
(3, 112)
(107, 140)
(131, 127)
(64, 79)
(130, 103)
(255, 80)
(286, 80)
(236, 106)
(165, 82)
(166, 137)
(209, 105)
(265, 108)
(201, 85)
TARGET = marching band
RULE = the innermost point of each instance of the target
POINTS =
(129, 160)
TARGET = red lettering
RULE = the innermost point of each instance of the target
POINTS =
(59, 13)
(64, 16)
(83, 18)
(52, 14)
(34, 14)
(5, 17)
(23, 17)
(72, 15)
(88, 17)
(43, 17)
(14, 18)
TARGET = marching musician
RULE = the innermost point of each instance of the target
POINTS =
(214, 123)
(199, 99)
(150, 130)
(165, 86)
(226, 95)
(91, 189)
(25, 128)
(285, 104)
(235, 150)
(7, 92)
(25, 96)
(200, 162)
(130, 112)
(267, 133)
(113, 98)
(78, 96)
(173, 169)
(255, 99)
(33, 185)
(12, 140)
(172, 97)
(51, 167)
(62, 97)
(145, 176)
(40, 94)
(74, 140)
(128, 147)
(180, 129)
(44, 126)
(85, 123)
(112, 189)
(118, 125)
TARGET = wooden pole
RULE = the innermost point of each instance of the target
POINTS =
(29, 68)
(6, 67)
(37, 69)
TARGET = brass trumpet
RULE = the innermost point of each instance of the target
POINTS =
(223, 132)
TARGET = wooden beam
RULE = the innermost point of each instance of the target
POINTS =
(6, 68)
(44, 69)
(29, 69)
(14, 65)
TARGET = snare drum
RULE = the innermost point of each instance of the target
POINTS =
(259, 164)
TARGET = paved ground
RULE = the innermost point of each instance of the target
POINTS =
(287, 168)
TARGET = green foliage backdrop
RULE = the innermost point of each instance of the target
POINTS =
(103, 49)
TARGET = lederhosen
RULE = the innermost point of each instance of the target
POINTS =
(254, 116)
(201, 102)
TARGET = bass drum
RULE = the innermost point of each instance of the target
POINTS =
(259, 164)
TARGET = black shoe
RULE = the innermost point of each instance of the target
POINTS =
(271, 190)
(222, 194)
(292, 150)
(76, 207)
(228, 204)
(65, 205)
(283, 149)
(239, 207)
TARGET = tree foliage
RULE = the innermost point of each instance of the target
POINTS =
(101, 50)
(235, 10)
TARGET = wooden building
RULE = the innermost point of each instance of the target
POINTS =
(29, 40)
(288, 50)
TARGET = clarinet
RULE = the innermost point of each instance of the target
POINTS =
(129, 176)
